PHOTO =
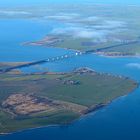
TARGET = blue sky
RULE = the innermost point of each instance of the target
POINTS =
(29, 2)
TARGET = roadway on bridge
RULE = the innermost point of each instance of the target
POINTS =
(48, 60)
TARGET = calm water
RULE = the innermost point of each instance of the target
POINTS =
(118, 121)
(15, 32)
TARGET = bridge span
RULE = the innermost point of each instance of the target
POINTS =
(48, 60)
(66, 56)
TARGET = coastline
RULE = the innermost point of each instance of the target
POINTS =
(105, 54)
(97, 122)
(87, 112)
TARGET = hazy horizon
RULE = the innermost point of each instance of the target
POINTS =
(36, 2)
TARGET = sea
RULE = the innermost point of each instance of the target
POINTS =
(120, 120)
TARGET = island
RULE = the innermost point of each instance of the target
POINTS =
(110, 49)
(48, 98)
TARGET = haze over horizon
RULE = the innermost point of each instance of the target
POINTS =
(40, 2)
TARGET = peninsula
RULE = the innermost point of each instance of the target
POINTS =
(41, 99)
(110, 49)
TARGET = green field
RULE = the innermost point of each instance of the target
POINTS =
(77, 44)
(8, 124)
(93, 89)
(104, 26)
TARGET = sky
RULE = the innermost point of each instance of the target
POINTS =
(34, 2)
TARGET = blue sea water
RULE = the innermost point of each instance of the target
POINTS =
(119, 120)
(13, 33)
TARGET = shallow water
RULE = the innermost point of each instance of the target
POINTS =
(118, 121)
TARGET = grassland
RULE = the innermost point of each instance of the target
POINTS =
(69, 95)
(73, 94)
(105, 89)
(84, 44)
(100, 28)
(109, 48)
(8, 124)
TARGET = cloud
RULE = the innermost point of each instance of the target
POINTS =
(87, 33)
(109, 24)
(114, 23)
(91, 19)
(134, 65)
(70, 30)
(93, 27)
(12, 13)
(59, 17)
(81, 31)
(63, 16)
(100, 22)
(73, 17)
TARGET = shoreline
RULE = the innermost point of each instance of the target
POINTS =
(104, 54)
(88, 112)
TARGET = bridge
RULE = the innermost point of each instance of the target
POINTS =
(66, 56)
(48, 60)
